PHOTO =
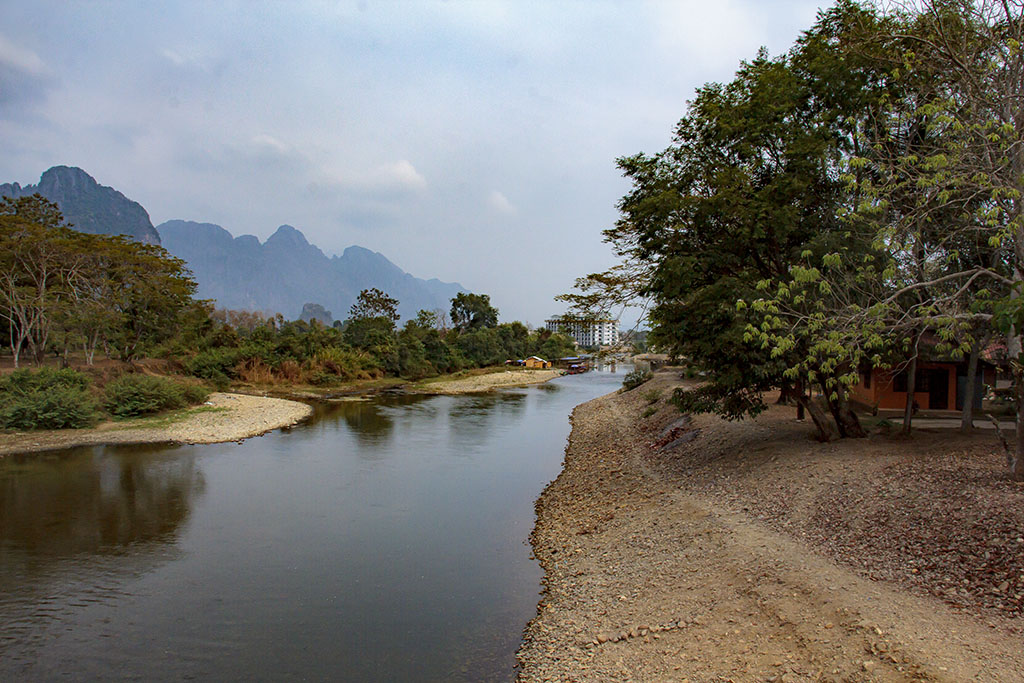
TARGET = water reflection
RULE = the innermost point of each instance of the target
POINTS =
(384, 540)
(94, 500)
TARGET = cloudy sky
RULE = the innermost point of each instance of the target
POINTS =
(470, 141)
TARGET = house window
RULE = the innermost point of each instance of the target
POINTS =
(899, 382)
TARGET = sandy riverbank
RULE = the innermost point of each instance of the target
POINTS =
(226, 417)
(486, 382)
(705, 550)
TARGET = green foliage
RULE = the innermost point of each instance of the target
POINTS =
(46, 399)
(556, 346)
(215, 364)
(194, 393)
(636, 378)
(235, 346)
(649, 410)
(59, 286)
(373, 303)
(136, 394)
(472, 312)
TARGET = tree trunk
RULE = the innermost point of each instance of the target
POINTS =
(825, 430)
(1017, 470)
(797, 390)
(908, 410)
(845, 419)
(967, 416)
(849, 423)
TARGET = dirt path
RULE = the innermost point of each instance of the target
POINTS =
(647, 580)
(226, 417)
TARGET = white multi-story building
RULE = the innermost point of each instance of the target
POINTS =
(586, 331)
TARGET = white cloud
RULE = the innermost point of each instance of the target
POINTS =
(270, 143)
(500, 203)
(401, 174)
(174, 57)
(399, 177)
(20, 59)
(190, 57)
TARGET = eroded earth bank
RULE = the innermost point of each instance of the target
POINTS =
(681, 549)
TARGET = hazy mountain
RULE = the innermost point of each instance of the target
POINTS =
(286, 272)
(89, 206)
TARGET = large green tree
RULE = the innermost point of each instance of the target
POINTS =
(749, 186)
(473, 312)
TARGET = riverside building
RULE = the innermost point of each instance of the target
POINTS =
(587, 332)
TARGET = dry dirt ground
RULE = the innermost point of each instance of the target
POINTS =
(701, 550)
(226, 417)
(486, 382)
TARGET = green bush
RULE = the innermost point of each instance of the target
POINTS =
(217, 365)
(131, 395)
(635, 378)
(195, 393)
(650, 410)
(46, 399)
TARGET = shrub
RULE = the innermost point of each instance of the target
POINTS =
(651, 396)
(254, 371)
(213, 364)
(290, 371)
(321, 378)
(343, 363)
(650, 410)
(131, 395)
(195, 393)
(636, 378)
(46, 399)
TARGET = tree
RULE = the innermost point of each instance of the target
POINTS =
(746, 187)
(37, 258)
(473, 312)
(936, 183)
(961, 184)
(373, 303)
(149, 291)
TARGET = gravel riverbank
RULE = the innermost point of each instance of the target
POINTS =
(225, 417)
(486, 382)
(679, 549)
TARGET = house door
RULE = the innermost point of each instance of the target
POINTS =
(938, 389)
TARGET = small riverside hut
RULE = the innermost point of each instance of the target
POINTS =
(537, 363)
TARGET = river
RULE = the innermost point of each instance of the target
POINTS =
(383, 540)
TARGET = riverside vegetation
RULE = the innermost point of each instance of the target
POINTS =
(67, 296)
(854, 203)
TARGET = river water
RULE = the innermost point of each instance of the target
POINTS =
(384, 540)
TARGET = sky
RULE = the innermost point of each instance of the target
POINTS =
(471, 141)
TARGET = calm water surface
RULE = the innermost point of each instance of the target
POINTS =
(384, 540)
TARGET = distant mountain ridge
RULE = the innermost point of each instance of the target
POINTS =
(280, 275)
(286, 272)
(89, 206)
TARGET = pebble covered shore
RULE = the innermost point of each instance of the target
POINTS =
(233, 417)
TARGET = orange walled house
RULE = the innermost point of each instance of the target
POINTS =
(536, 363)
(940, 385)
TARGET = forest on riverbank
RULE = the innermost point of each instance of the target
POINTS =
(71, 298)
